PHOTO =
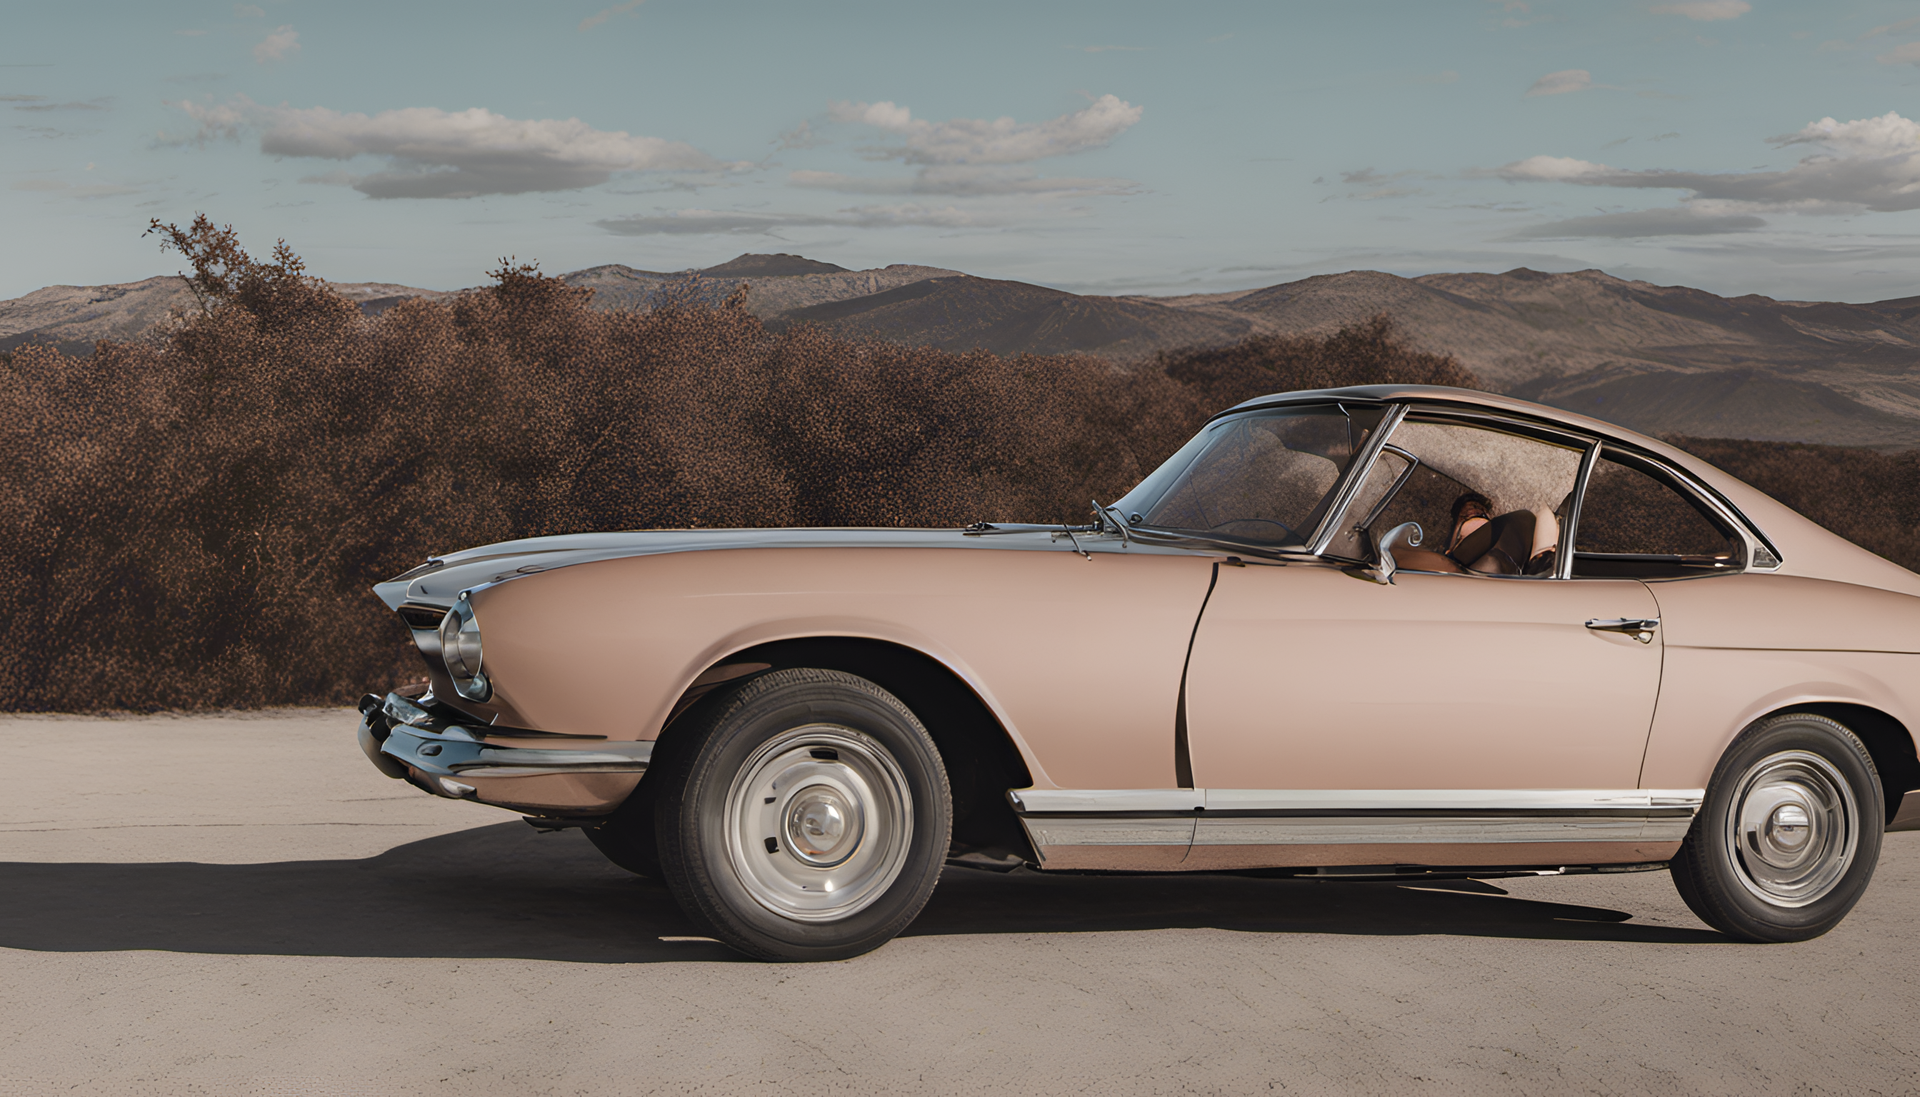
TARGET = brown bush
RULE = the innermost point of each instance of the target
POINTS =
(197, 523)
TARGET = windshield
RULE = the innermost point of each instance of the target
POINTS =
(1266, 477)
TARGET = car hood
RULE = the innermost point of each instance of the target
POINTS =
(440, 581)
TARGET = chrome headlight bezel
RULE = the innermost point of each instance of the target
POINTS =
(460, 650)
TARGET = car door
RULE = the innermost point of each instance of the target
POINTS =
(1479, 702)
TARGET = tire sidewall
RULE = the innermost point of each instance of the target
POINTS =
(694, 830)
(1716, 880)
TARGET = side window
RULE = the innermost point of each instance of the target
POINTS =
(1635, 523)
(1486, 501)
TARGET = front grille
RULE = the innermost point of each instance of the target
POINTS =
(422, 617)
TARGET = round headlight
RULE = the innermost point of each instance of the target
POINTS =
(460, 648)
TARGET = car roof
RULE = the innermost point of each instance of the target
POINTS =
(1465, 399)
(1807, 548)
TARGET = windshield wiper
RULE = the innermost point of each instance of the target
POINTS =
(1052, 529)
(1119, 520)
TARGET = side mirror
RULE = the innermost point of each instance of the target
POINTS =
(1407, 533)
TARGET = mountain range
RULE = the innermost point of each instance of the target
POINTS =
(1663, 359)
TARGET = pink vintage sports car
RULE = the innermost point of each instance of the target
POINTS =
(1386, 632)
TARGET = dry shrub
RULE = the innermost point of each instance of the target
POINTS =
(1366, 353)
(197, 523)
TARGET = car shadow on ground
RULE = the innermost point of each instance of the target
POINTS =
(505, 891)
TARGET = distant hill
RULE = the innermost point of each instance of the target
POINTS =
(1838, 373)
(961, 313)
(73, 318)
(1659, 358)
(778, 265)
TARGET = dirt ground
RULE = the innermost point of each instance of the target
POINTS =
(241, 905)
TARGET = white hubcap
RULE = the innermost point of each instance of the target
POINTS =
(1793, 828)
(819, 822)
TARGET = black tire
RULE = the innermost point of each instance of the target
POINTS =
(859, 799)
(627, 838)
(1789, 834)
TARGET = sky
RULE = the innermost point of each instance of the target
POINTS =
(1739, 146)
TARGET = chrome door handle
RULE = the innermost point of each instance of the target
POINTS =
(1640, 628)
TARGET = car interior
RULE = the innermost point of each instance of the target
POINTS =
(1486, 501)
(1495, 503)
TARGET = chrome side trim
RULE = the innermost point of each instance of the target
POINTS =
(1436, 829)
(1908, 817)
(1058, 820)
(1260, 817)
(1052, 834)
(1046, 801)
(1550, 801)
(1061, 821)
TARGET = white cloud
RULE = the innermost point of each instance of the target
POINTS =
(1891, 28)
(605, 14)
(1704, 11)
(1382, 186)
(963, 181)
(1002, 141)
(433, 153)
(1908, 54)
(966, 157)
(705, 222)
(1887, 135)
(91, 104)
(1552, 169)
(284, 42)
(1870, 164)
(799, 137)
(1560, 83)
(1680, 221)
(249, 11)
(215, 121)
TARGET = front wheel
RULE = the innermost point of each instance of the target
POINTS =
(806, 817)
(1789, 834)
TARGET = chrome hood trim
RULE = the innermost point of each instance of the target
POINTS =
(474, 567)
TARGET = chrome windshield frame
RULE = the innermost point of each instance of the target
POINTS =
(1357, 474)
(1341, 497)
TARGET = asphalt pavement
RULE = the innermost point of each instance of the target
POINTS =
(241, 905)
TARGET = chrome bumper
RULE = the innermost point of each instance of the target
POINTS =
(404, 738)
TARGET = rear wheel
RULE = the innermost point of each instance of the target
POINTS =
(805, 817)
(1789, 834)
